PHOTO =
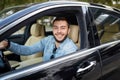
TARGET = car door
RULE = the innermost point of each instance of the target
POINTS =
(82, 65)
(108, 26)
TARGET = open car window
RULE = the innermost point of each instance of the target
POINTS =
(45, 22)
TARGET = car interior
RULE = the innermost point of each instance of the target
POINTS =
(38, 31)
(108, 32)
(107, 26)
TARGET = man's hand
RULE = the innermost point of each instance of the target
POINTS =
(3, 44)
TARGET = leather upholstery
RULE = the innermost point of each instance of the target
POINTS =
(109, 32)
(74, 34)
(37, 33)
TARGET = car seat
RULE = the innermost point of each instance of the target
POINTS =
(37, 33)
(109, 32)
(74, 34)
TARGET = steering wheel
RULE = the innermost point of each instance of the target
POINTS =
(4, 64)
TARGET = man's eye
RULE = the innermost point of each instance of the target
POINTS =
(63, 28)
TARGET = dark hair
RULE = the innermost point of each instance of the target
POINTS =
(61, 18)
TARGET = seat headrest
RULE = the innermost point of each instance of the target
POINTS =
(74, 33)
(37, 30)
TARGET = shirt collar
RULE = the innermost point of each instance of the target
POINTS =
(61, 44)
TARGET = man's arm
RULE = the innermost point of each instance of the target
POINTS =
(21, 49)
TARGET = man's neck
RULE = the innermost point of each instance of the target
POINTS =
(57, 44)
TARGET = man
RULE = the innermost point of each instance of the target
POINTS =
(52, 46)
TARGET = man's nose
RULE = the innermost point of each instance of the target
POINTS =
(59, 30)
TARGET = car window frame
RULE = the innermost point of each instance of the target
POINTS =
(34, 17)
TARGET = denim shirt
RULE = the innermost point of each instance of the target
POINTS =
(46, 45)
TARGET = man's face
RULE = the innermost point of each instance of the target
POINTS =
(60, 30)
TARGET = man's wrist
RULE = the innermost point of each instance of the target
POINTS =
(8, 43)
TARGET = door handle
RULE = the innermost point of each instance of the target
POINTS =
(91, 65)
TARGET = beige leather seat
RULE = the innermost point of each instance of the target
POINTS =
(37, 33)
(74, 34)
(109, 32)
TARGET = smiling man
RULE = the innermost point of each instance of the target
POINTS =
(53, 46)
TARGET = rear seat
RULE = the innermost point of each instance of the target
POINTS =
(109, 33)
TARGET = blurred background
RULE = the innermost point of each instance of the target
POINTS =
(8, 3)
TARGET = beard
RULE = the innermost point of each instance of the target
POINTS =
(60, 40)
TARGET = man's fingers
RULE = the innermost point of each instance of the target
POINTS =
(3, 44)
